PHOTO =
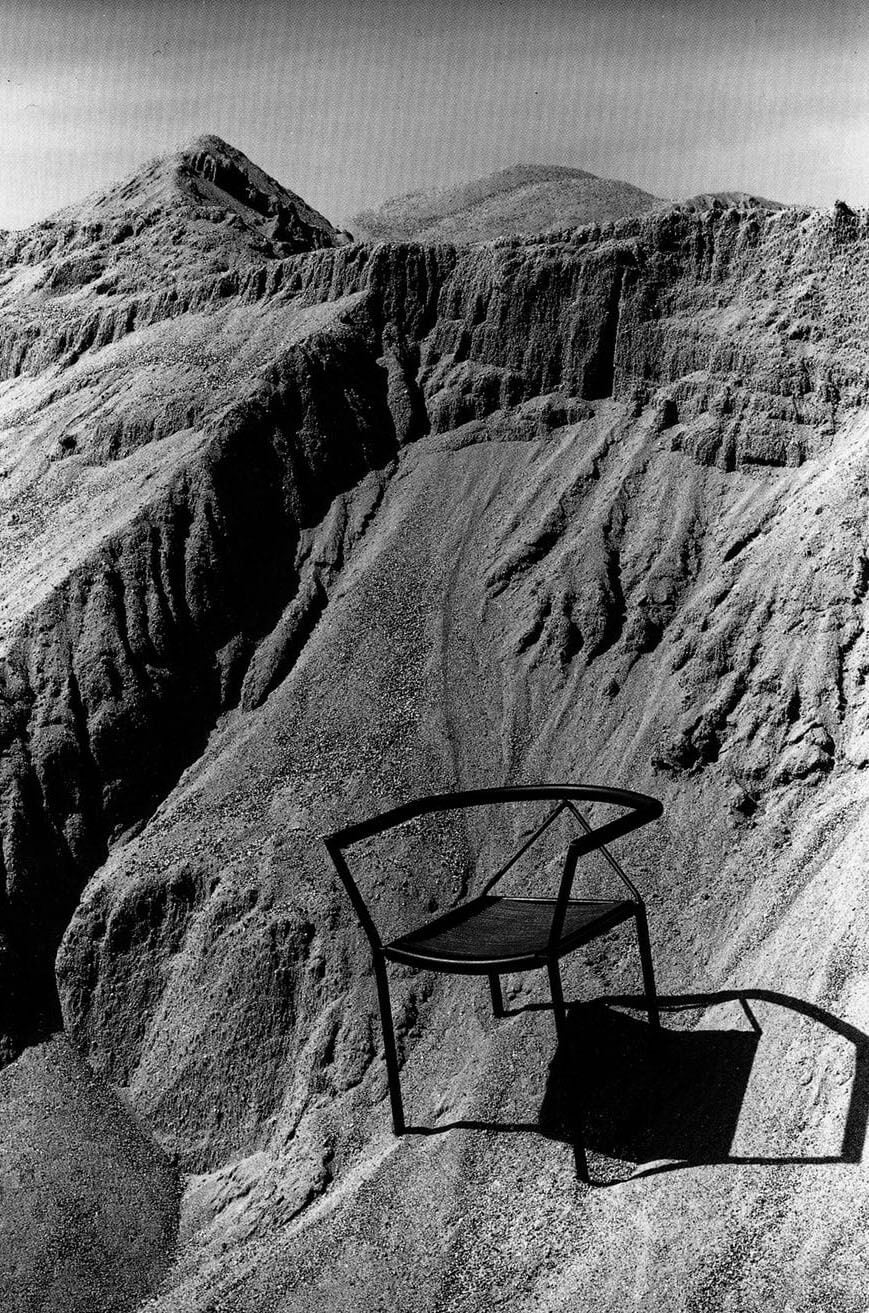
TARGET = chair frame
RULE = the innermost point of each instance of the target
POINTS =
(642, 810)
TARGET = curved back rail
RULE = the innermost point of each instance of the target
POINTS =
(641, 810)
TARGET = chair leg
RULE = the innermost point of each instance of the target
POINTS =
(389, 1051)
(648, 971)
(495, 990)
(560, 1012)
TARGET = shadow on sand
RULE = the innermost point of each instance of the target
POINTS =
(672, 1100)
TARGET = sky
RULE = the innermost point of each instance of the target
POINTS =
(349, 103)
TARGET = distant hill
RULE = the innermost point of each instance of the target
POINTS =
(524, 198)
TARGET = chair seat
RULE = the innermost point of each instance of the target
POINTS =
(503, 934)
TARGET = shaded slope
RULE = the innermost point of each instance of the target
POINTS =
(521, 199)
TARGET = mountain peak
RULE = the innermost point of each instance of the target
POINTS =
(209, 141)
(209, 179)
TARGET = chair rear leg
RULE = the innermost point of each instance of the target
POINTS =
(560, 1012)
(648, 970)
(497, 998)
(389, 1051)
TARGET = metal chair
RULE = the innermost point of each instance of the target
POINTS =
(489, 934)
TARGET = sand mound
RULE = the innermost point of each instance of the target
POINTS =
(88, 1203)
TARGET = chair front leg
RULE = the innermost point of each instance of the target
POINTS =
(648, 971)
(495, 991)
(560, 1012)
(389, 1050)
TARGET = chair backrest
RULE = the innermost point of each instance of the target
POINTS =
(641, 810)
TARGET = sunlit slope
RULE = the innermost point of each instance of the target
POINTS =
(215, 971)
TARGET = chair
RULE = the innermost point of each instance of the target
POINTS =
(489, 934)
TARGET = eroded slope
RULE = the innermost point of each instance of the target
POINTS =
(357, 524)
(214, 971)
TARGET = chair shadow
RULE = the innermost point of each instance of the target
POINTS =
(671, 1100)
